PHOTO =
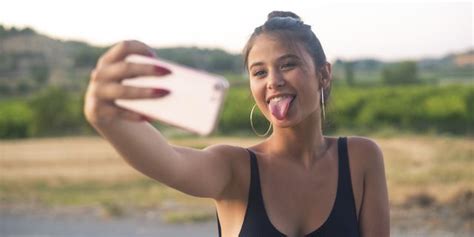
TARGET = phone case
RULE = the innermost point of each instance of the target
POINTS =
(194, 103)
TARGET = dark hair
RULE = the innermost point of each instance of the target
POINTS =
(289, 27)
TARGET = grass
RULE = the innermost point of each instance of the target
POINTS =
(86, 171)
(441, 167)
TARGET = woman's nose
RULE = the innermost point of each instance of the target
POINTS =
(275, 80)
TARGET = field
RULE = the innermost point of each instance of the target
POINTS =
(430, 179)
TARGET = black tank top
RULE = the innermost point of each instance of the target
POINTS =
(342, 220)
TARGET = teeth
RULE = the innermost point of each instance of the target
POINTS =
(278, 98)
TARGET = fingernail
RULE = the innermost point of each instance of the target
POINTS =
(160, 92)
(144, 118)
(161, 70)
(152, 53)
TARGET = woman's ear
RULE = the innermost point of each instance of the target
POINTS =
(326, 75)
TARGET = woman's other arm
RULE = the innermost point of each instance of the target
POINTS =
(375, 212)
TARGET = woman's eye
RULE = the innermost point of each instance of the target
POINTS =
(288, 65)
(259, 73)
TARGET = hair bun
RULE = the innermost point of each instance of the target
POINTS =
(282, 14)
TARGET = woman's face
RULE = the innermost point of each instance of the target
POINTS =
(283, 80)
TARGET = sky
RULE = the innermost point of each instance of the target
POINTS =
(388, 30)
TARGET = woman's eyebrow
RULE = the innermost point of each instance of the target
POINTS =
(288, 56)
(281, 58)
(256, 64)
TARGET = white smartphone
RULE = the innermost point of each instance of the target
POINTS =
(195, 101)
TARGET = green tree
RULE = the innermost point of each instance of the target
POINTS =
(23, 87)
(3, 31)
(349, 72)
(404, 72)
(55, 112)
(40, 74)
(87, 56)
(15, 119)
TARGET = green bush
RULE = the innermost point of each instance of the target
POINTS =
(421, 108)
(415, 108)
(15, 120)
(235, 114)
(55, 112)
(404, 72)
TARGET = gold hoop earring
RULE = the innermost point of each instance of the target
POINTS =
(322, 104)
(253, 128)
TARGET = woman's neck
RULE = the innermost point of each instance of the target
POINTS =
(302, 143)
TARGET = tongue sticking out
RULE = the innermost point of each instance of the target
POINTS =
(279, 108)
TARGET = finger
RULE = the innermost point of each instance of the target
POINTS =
(122, 70)
(119, 51)
(112, 91)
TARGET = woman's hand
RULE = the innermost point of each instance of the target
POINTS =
(105, 84)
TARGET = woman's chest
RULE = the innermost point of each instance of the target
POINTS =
(299, 201)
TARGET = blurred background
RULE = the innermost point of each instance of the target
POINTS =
(403, 76)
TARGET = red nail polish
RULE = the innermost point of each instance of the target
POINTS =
(162, 70)
(144, 118)
(152, 53)
(160, 92)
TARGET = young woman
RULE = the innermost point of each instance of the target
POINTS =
(297, 182)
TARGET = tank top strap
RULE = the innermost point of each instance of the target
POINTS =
(219, 231)
(255, 216)
(344, 170)
(255, 200)
(345, 202)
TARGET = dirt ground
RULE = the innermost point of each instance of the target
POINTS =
(430, 179)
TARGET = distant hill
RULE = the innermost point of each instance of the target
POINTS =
(451, 68)
(30, 60)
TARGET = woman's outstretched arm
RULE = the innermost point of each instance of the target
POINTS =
(203, 173)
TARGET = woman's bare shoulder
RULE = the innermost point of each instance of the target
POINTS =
(239, 159)
(226, 150)
(238, 156)
(366, 152)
